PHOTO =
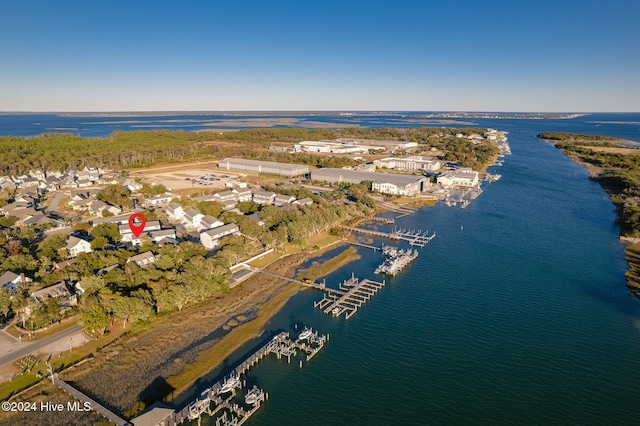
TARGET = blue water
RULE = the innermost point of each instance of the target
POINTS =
(517, 313)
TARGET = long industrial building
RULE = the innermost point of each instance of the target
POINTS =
(267, 167)
(386, 183)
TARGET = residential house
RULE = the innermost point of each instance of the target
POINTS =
(209, 222)
(174, 211)
(282, 200)
(131, 185)
(76, 246)
(243, 194)
(143, 259)
(127, 233)
(210, 239)
(157, 236)
(10, 280)
(303, 202)
(191, 218)
(264, 197)
(57, 291)
(159, 199)
(225, 196)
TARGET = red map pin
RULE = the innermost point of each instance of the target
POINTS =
(137, 221)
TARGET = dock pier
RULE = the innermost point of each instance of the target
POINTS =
(233, 413)
(414, 237)
(352, 294)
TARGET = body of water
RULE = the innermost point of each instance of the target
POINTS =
(516, 313)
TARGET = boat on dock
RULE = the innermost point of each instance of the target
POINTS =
(306, 333)
(230, 384)
(395, 260)
(254, 396)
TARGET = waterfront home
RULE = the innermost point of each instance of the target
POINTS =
(76, 246)
(143, 259)
(210, 239)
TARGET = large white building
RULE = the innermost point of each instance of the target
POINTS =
(460, 177)
(386, 183)
(412, 164)
(267, 167)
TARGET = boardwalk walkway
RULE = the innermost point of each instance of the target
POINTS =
(84, 398)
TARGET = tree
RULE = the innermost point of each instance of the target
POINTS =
(91, 284)
(95, 318)
(98, 243)
(109, 231)
(211, 208)
(51, 246)
(5, 302)
(13, 247)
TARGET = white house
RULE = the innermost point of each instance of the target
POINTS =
(264, 197)
(175, 211)
(127, 233)
(159, 199)
(10, 280)
(191, 218)
(143, 259)
(281, 200)
(243, 194)
(76, 246)
(211, 238)
(210, 222)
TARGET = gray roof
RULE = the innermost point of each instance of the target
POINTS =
(73, 241)
(153, 415)
(142, 256)
(222, 230)
(354, 176)
(8, 277)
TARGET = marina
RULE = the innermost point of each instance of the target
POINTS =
(354, 294)
(415, 237)
(222, 397)
(395, 260)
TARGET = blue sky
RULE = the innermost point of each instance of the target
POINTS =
(516, 55)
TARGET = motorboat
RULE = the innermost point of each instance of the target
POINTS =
(230, 384)
(306, 333)
(253, 396)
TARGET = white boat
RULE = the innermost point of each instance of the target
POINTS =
(230, 384)
(306, 333)
(336, 311)
(253, 396)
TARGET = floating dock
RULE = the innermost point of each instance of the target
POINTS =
(395, 260)
(353, 293)
(414, 237)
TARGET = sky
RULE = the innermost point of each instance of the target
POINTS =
(400, 55)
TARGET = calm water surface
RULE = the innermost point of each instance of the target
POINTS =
(517, 313)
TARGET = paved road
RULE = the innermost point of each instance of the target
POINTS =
(25, 349)
(56, 201)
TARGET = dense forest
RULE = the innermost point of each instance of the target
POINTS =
(54, 151)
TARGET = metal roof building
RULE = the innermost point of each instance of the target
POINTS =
(387, 183)
(268, 167)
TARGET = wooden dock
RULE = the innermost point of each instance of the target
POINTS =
(108, 414)
(234, 414)
(355, 293)
(415, 237)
